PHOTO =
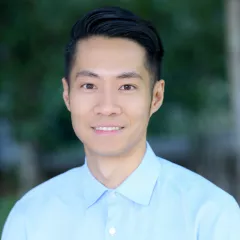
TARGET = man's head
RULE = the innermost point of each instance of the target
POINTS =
(115, 22)
(112, 80)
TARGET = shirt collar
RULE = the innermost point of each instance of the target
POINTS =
(93, 189)
(142, 180)
(140, 184)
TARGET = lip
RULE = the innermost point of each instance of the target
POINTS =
(107, 125)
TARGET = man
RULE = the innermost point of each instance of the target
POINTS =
(112, 86)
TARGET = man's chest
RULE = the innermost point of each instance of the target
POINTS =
(114, 221)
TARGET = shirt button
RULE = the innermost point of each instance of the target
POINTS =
(112, 231)
(113, 194)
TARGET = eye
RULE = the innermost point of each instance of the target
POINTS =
(127, 87)
(88, 86)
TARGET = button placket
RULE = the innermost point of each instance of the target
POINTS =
(111, 228)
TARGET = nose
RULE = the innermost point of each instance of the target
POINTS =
(107, 104)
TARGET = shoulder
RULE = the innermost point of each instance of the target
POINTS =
(192, 187)
(63, 187)
(206, 207)
(44, 202)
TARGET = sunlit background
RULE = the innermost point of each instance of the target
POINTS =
(197, 127)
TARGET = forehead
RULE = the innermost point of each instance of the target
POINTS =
(112, 54)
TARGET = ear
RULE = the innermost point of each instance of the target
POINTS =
(66, 93)
(157, 97)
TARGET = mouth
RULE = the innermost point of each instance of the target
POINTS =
(107, 129)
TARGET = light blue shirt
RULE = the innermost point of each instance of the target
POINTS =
(158, 201)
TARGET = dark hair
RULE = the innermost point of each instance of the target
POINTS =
(117, 22)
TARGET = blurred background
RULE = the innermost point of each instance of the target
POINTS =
(197, 127)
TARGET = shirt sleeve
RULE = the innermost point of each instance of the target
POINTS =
(14, 228)
(222, 225)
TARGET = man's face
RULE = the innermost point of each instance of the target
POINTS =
(109, 95)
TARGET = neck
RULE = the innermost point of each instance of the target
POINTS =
(112, 171)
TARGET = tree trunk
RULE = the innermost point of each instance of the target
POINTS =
(233, 65)
(29, 172)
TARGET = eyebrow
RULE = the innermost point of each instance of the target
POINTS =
(86, 73)
(124, 75)
(131, 74)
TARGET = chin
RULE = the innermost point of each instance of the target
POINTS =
(106, 150)
(109, 154)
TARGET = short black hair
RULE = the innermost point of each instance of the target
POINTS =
(117, 22)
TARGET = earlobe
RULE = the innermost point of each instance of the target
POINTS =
(66, 93)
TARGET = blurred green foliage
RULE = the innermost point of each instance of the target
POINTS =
(33, 37)
(6, 204)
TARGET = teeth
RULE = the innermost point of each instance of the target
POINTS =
(108, 128)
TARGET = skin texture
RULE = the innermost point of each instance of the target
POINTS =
(110, 86)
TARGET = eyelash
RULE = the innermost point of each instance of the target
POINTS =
(83, 86)
(94, 87)
(129, 85)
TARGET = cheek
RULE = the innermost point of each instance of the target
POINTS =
(80, 109)
(138, 108)
(80, 105)
(79, 114)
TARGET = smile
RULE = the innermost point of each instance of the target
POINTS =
(108, 128)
